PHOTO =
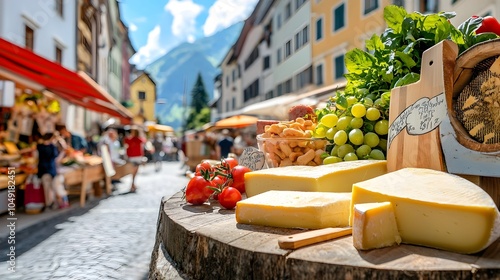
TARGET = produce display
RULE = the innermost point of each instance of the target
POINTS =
(434, 209)
(308, 183)
(294, 209)
(324, 178)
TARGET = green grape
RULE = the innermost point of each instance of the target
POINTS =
(372, 96)
(377, 102)
(331, 159)
(329, 120)
(383, 144)
(350, 157)
(340, 137)
(351, 100)
(372, 114)
(362, 91)
(358, 110)
(382, 127)
(357, 122)
(367, 126)
(371, 139)
(363, 151)
(344, 122)
(334, 150)
(356, 136)
(368, 101)
(320, 131)
(344, 150)
(377, 154)
(330, 133)
(340, 107)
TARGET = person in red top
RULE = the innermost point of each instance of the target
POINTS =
(135, 152)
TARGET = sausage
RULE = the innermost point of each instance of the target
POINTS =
(301, 111)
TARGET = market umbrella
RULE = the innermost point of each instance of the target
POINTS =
(238, 121)
(160, 128)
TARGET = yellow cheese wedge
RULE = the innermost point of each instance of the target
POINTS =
(434, 209)
(337, 177)
(374, 226)
(293, 209)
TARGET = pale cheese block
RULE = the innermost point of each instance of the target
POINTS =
(294, 209)
(374, 226)
(337, 177)
(434, 209)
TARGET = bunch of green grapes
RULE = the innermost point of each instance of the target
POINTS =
(358, 130)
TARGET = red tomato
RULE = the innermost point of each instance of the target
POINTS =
(203, 166)
(228, 197)
(196, 191)
(231, 162)
(489, 24)
(238, 175)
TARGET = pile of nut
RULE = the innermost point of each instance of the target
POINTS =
(291, 143)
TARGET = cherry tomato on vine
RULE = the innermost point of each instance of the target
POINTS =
(231, 162)
(229, 197)
(196, 190)
(203, 166)
(238, 175)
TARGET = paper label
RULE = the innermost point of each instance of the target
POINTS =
(419, 118)
(252, 158)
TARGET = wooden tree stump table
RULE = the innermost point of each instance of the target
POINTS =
(206, 242)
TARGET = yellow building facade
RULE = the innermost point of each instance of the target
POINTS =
(143, 97)
(338, 26)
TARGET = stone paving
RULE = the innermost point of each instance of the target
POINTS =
(112, 240)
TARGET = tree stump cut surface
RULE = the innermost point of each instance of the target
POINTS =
(206, 242)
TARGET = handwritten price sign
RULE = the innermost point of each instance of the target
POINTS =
(419, 118)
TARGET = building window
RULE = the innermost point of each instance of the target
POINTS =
(142, 95)
(401, 3)
(251, 91)
(279, 90)
(59, 55)
(302, 38)
(297, 41)
(227, 80)
(319, 75)
(59, 7)
(370, 5)
(339, 17)
(319, 29)
(304, 78)
(233, 101)
(252, 58)
(428, 6)
(29, 38)
(299, 3)
(227, 105)
(288, 86)
(267, 62)
(234, 75)
(288, 49)
(278, 56)
(305, 35)
(339, 66)
(269, 95)
(288, 11)
(239, 71)
(278, 21)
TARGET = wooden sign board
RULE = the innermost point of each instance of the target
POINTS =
(417, 110)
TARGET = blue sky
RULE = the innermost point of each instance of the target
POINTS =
(157, 26)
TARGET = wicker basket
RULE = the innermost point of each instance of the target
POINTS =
(474, 112)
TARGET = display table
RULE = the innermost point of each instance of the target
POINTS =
(205, 242)
(79, 179)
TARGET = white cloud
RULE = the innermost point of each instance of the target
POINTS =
(151, 51)
(132, 27)
(224, 13)
(184, 14)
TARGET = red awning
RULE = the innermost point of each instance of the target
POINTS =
(74, 87)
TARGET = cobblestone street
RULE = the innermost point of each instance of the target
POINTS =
(112, 239)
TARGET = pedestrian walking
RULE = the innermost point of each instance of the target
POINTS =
(134, 145)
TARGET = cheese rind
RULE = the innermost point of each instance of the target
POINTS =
(374, 226)
(337, 177)
(434, 209)
(293, 209)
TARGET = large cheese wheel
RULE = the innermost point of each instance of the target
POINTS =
(434, 209)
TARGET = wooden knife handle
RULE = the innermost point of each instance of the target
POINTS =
(310, 237)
